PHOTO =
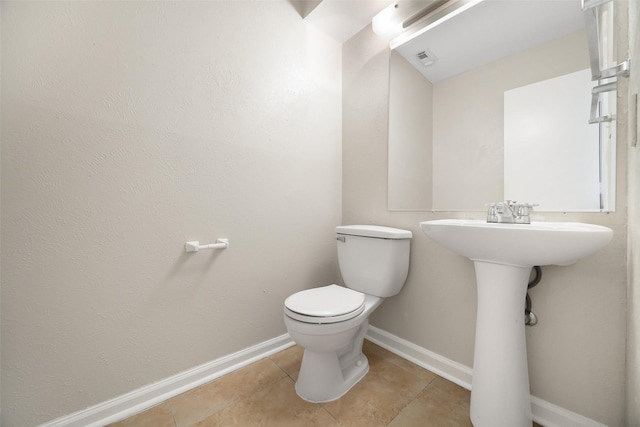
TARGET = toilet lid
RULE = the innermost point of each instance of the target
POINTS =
(327, 304)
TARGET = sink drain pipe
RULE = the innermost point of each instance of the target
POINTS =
(530, 317)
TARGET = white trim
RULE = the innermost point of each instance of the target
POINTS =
(145, 397)
(129, 404)
(550, 415)
(446, 368)
(545, 413)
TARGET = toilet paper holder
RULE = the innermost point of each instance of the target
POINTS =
(195, 246)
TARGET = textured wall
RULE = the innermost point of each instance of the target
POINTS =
(576, 352)
(128, 129)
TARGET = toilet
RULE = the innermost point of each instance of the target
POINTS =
(330, 322)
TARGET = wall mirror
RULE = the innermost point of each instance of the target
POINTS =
(453, 88)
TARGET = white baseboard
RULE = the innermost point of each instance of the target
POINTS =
(544, 413)
(446, 368)
(550, 415)
(145, 397)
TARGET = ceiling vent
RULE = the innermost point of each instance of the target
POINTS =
(427, 58)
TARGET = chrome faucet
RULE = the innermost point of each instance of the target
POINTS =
(509, 212)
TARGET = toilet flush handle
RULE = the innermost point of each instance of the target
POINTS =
(341, 239)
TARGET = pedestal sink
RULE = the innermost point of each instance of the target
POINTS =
(503, 255)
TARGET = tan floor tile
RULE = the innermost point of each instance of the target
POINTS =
(201, 402)
(276, 405)
(373, 351)
(395, 392)
(380, 395)
(441, 404)
(158, 416)
(390, 362)
(289, 360)
(366, 405)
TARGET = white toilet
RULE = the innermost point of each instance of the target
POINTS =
(330, 322)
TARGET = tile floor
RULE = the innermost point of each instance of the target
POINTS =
(394, 393)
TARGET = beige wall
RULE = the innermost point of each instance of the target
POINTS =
(130, 128)
(633, 297)
(210, 120)
(576, 352)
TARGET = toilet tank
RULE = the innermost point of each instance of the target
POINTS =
(373, 259)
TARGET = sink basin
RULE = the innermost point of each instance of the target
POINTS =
(526, 245)
(503, 255)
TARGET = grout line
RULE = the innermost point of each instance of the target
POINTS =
(286, 374)
(428, 384)
(281, 368)
(414, 398)
(330, 414)
(173, 417)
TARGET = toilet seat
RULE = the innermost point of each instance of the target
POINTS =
(327, 304)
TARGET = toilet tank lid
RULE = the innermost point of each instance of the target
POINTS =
(374, 231)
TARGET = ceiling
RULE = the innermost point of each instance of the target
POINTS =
(487, 31)
(342, 19)
(491, 30)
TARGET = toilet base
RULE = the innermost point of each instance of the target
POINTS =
(333, 361)
(321, 379)
(327, 376)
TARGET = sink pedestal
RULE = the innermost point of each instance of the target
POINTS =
(503, 255)
(500, 394)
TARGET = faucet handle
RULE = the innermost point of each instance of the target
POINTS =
(507, 209)
(492, 213)
(526, 206)
(500, 212)
(522, 213)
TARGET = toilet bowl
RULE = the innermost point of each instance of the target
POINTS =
(333, 361)
(330, 322)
